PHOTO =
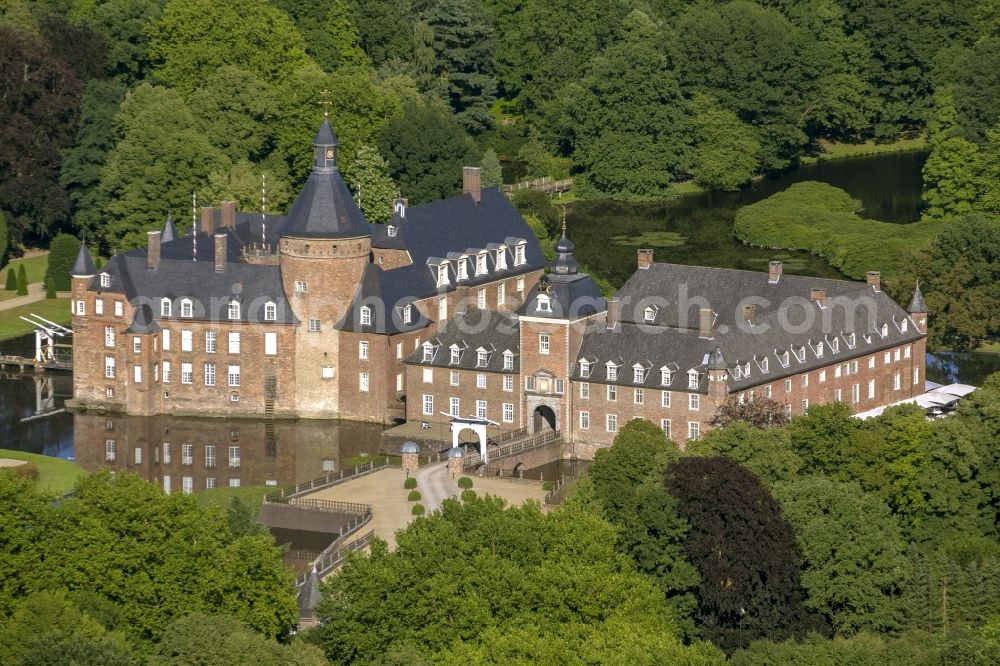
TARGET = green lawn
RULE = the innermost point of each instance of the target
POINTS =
(55, 310)
(34, 266)
(830, 150)
(252, 496)
(54, 474)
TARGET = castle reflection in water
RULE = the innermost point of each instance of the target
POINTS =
(183, 454)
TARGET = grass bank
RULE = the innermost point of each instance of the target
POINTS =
(252, 496)
(34, 266)
(822, 219)
(55, 310)
(55, 475)
(832, 150)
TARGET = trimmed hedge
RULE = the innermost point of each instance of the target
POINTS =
(418, 510)
(414, 496)
(468, 495)
(22, 281)
(464, 483)
(11, 284)
(410, 483)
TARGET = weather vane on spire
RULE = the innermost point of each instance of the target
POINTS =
(325, 102)
(563, 218)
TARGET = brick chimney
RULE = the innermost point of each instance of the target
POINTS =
(774, 272)
(472, 183)
(221, 247)
(874, 279)
(705, 323)
(153, 251)
(645, 258)
(229, 214)
(818, 296)
(750, 313)
(614, 312)
(207, 220)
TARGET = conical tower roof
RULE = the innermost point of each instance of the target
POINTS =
(84, 266)
(169, 231)
(716, 361)
(917, 303)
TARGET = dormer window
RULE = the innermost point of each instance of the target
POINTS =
(800, 354)
(366, 315)
(638, 374)
(785, 360)
(612, 371)
(186, 307)
(502, 257)
(463, 271)
(508, 360)
(852, 340)
(544, 304)
(902, 326)
(738, 372)
(270, 311)
(391, 230)
(456, 355)
(482, 358)
(763, 364)
(408, 314)
(692, 378)
(428, 352)
(519, 254)
(234, 310)
(884, 330)
(746, 369)
(649, 314)
(585, 369)
(835, 345)
(105, 280)
(443, 274)
(819, 349)
(481, 263)
(666, 376)
(165, 307)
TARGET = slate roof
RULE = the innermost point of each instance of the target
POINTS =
(325, 209)
(493, 331)
(143, 321)
(569, 297)
(84, 265)
(387, 300)
(917, 303)
(382, 239)
(169, 231)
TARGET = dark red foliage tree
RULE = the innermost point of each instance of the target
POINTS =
(743, 549)
(759, 412)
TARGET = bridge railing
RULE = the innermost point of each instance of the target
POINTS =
(558, 492)
(334, 556)
(514, 448)
(332, 479)
(328, 506)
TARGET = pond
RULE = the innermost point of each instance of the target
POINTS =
(697, 228)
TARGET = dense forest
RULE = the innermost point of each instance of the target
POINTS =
(823, 540)
(115, 111)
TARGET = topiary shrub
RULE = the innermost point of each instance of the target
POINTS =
(465, 483)
(468, 495)
(413, 496)
(50, 288)
(11, 280)
(22, 281)
(62, 255)
(549, 485)
(418, 510)
(410, 483)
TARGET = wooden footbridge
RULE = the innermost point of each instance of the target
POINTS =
(545, 184)
(49, 354)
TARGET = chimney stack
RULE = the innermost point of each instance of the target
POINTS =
(645, 258)
(471, 183)
(153, 251)
(705, 323)
(774, 272)
(875, 280)
(614, 308)
(818, 295)
(229, 214)
(207, 220)
(221, 248)
(750, 313)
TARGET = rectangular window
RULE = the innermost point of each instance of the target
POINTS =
(234, 483)
(137, 455)
(166, 340)
(543, 343)
(363, 382)
(836, 395)
(234, 343)
(209, 374)
(694, 430)
(453, 406)
(788, 386)
(916, 376)
(612, 372)
(99, 306)
(519, 285)
(234, 457)
(270, 344)
(210, 456)
(560, 386)
(137, 374)
(234, 376)
(301, 287)
(481, 409)
(886, 358)
(80, 308)
(508, 382)
(119, 308)
(639, 396)
(327, 372)
(442, 309)
(109, 367)
(481, 380)
(805, 381)
(871, 389)
(611, 423)
(399, 381)
(508, 412)
(210, 342)
(314, 325)
(895, 355)
(233, 310)
(109, 450)
(856, 393)
(871, 362)
(612, 393)
(895, 382)
(428, 401)
(187, 454)
(694, 401)
(363, 350)
(166, 372)
(428, 375)
(664, 398)
(187, 373)
(210, 483)
(109, 336)
(501, 294)
(805, 405)
(584, 420)
(481, 298)
(453, 377)
(584, 390)
(529, 383)
(186, 341)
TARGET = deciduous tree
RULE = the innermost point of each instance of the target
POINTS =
(373, 188)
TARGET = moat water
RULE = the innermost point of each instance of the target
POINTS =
(31, 406)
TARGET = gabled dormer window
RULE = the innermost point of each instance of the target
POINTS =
(443, 274)
(482, 358)
(738, 371)
(233, 310)
(585, 369)
(366, 315)
(508, 360)
(408, 314)
(165, 307)
(463, 270)
(692, 378)
(902, 326)
(852, 340)
(544, 304)
(883, 330)
(186, 307)
(763, 364)
(666, 376)
(105, 280)
(391, 230)
(502, 257)
(270, 311)
(481, 263)
(456, 355)
(835, 345)
(649, 314)
(612, 371)
(785, 360)
(638, 374)
(800, 354)
(819, 349)
(428, 352)
(519, 253)
(746, 369)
